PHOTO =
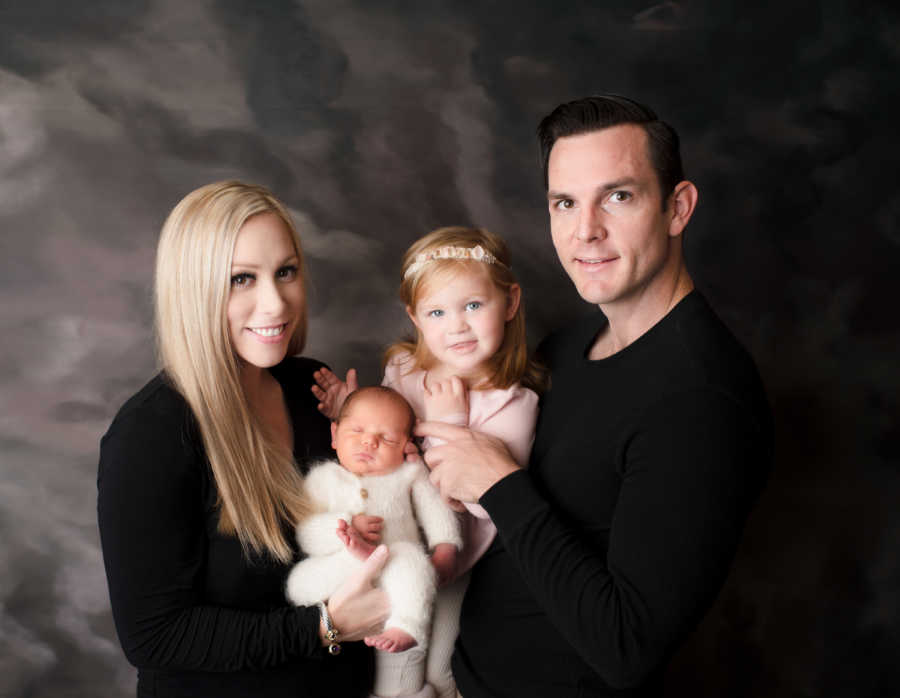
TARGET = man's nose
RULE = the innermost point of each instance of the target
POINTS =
(591, 225)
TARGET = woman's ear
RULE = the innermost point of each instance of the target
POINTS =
(513, 298)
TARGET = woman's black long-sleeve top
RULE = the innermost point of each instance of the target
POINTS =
(193, 614)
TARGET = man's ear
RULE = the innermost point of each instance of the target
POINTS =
(681, 207)
(512, 301)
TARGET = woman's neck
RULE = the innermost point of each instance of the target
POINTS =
(256, 382)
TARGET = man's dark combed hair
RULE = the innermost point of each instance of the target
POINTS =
(603, 111)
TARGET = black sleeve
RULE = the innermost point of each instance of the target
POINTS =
(152, 532)
(688, 480)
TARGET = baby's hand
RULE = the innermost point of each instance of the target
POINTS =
(354, 542)
(369, 527)
(447, 399)
(444, 560)
(331, 391)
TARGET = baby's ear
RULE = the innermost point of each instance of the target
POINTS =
(334, 435)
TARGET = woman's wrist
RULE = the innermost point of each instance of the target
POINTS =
(329, 635)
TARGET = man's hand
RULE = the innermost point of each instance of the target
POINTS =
(331, 391)
(447, 399)
(469, 462)
(444, 560)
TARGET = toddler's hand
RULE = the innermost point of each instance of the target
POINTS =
(447, 399)
(331, 391)
(444, 560)
(369, 527)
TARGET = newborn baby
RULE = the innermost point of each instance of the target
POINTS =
(369, 485)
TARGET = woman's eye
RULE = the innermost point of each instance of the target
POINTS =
(435, 313)
(473, 305)
(287, 273)
(241, 280)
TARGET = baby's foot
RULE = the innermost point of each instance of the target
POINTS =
(391, 640)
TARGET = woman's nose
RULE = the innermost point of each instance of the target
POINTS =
(270, 300)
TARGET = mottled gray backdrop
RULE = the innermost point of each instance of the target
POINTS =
(377, 121)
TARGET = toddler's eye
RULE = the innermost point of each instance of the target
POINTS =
(435, 313)
(473, 305)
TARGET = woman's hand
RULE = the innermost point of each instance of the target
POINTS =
(331, 391)
(357, 608)
(447, 400)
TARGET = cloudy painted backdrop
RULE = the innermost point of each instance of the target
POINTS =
(377, 121)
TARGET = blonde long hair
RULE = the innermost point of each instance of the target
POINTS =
(259, 486)
(511, 363)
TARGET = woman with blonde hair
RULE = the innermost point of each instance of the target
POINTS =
(201, 472)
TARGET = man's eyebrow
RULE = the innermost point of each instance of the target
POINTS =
(609, 186)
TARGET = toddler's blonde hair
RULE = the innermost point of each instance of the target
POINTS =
(511, 363)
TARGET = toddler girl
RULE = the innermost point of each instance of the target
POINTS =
(467, 365)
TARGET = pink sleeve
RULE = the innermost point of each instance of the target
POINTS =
(513, 423)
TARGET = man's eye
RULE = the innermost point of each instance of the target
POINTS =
(473, 305)
(564, 204)
(241, 280)
(620, 196)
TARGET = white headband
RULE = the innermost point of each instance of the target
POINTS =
(476, 254)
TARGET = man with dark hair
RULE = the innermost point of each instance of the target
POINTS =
(652, 445)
